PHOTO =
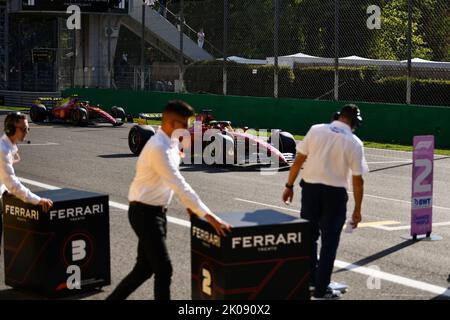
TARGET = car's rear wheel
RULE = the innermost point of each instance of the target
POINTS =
(80, 116)
(224, 151)
(38, 113)
(138, 137)
(118, 112)
(286, 142)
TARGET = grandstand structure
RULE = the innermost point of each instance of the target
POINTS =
(40, 54)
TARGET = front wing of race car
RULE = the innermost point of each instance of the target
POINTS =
(100, 116)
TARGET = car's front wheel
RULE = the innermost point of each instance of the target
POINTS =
(38, 113)
(138, 137)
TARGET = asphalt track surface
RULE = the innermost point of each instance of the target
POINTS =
(374, 260)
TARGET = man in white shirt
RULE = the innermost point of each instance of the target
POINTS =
(329, 154)
(16, 128)
(157, 178)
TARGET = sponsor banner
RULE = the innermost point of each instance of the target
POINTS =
(91, 6)
(265, 256)
(422, 185)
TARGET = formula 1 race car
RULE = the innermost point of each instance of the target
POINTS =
(74, 110)
(221, 144)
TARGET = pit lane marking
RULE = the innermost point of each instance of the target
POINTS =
(398, 200)
(376, 274)
(437, 224)
(268, 205)
(114, 204)
(337, 263)
(374, 224)
(178, 221)
(382, 225)
(386, 162)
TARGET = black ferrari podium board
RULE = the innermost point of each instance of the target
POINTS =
(265, 256)
(59, 253)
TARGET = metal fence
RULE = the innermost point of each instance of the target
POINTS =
(358, 50)
(369, 50)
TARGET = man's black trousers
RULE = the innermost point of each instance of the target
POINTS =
(325, 207)
(150, 225)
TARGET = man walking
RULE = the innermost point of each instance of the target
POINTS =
(329, 153)
(157, 178)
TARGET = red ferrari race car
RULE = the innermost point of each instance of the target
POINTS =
(219, 143)
(74, 110)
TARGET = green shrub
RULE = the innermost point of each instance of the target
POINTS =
(355, 83)
(318, 82)
(243, 80)
(423, 91)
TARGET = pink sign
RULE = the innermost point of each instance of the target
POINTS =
(422, 185)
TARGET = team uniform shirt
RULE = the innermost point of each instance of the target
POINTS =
(333, 154)
(157, 176)
(9, 181)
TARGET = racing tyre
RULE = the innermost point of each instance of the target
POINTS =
(118, 112)
(228, 150)
(138, 137)
(223, 152)
(38, 113)
(286, 141)
(80, 117)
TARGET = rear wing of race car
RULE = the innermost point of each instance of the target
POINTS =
(50, 101)
(56, 101)
(144, 118)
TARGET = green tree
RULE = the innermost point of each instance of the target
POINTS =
(435, 26)
(308, 26)
(390, 42)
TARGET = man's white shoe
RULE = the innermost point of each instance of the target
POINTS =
(329, 295)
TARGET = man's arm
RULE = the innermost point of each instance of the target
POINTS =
(162, 164)
(15, 187)
(288, 193)
(12, 183)
(358, 191)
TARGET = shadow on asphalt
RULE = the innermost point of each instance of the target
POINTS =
(16, 294)
(382, 254)
(117, 156)
(445, 296)
(221, 168)
(442, 296)
(402, 165)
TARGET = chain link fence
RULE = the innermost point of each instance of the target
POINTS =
(354, 50)
(395, 51)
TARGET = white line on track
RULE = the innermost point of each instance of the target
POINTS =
(437, 224)
(398, 200)
(384, 150)
(268, 205)
(386, 162)
(39, 144)
(365, 195)
(38, 184)
(180, 222)
(380, 227)
(376, 274)
(338, 263)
